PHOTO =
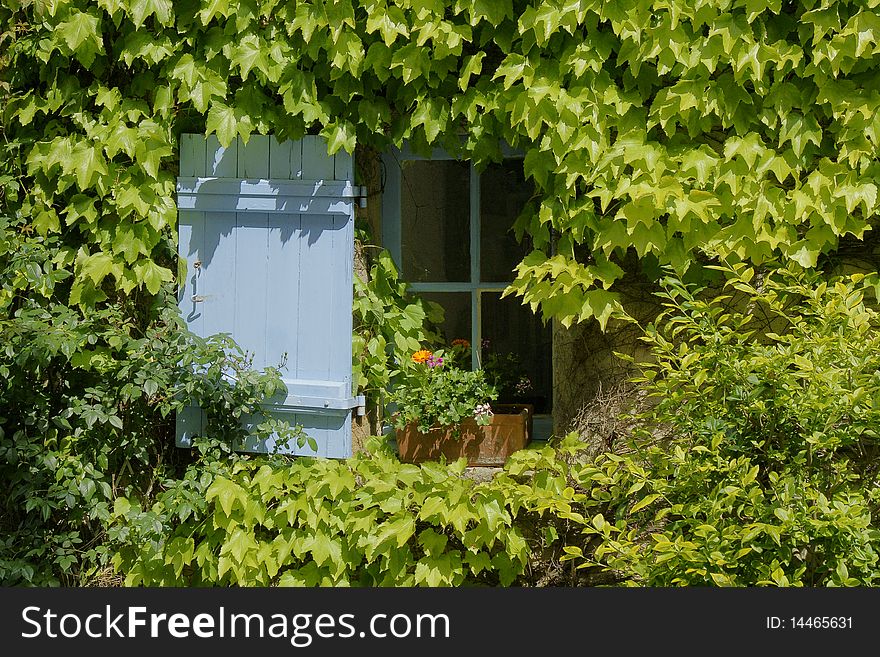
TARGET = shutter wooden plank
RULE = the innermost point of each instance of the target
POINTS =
(343, 168)
(285, 159)
(258, 187)
(316, 164)
(217, 278)
(317, 426)
(337, 443)
(190, 422)
(342, 275)
(191, 240)
(316, 272)
(251, 254)
(285, 244)
(296, 160)
(329, 430)
(251, 283)
(193, 151)
(222, 162)
(279, 158)
(261, 195)
(253, 157)
(315, 299)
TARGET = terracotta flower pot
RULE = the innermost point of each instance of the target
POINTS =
(490, 445)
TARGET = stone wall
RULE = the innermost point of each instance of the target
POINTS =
(584, 364)
(369, 174)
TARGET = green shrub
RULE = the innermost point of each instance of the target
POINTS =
(86, 408)
(770, 477)
(368, 521)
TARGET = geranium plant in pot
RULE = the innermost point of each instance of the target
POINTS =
(445, 410)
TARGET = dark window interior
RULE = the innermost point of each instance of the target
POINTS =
(435, 221)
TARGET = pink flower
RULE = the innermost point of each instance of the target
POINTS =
(483, 409)
(523, 386)
(434, 361)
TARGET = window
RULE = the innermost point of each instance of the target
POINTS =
(449, 229)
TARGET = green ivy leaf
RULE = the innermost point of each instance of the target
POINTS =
(804, 253)
(152, 275)
(249, 54)
(228, 123)
(324, 549)
(214, 8)
(81, 34)
(143, 9)
(97, 266)
(473, 66)
(87, 162)
(340, 136)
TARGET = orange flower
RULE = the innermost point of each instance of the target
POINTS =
(421, 356)
(461, 342)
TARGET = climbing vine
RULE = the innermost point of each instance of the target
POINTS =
(661, 131)
(663, 127)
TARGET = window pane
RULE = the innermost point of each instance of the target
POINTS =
(435, 221)
(504, 192)
(516, 350)
(457, 318)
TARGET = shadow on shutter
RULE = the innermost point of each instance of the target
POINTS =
(272, 227)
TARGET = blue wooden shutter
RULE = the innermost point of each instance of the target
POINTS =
(267, 230)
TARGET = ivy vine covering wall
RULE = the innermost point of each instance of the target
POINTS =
(665, 128)
(657, 132)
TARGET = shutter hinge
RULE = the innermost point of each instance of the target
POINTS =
(361, 405)
(362, 196)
